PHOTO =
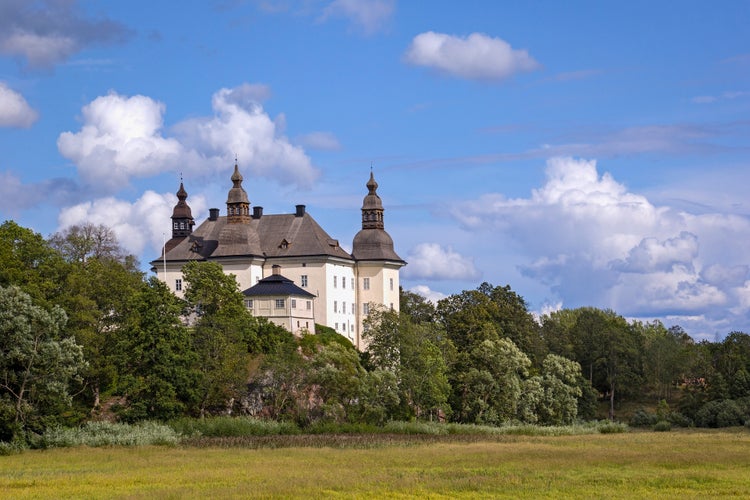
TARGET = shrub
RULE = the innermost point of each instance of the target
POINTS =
(232, 427)
(642, 418)
(662, 426)
(678, 419)
(720, 413)
(97, 434)
(609, 427)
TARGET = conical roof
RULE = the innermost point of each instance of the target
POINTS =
(237, 193)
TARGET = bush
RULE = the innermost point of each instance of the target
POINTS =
(609, 427)
(642, 418)
(662, 426)
(97, 434)
(232, 427)
(678, 419)
(720, 413)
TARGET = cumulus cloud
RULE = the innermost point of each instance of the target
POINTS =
(139, 226)
(434, 262)
(14, 110)
(475, 57)
(368, 15)
(47, 32)
(122, 137)
(594, 242)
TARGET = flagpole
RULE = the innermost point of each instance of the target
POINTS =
(164, 254)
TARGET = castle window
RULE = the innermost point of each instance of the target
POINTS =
(366, 309)
(175, 226)
(182, 225)
(303, 281)
(309, 305)
(334, 282)
(279, 303)
(354, 308)
(365, 283)
(294, 303)
(391, 284)
(178, 284)
(343, 307)
(352, 283)
(343, 282)
(336, 327)
(249, 303)
(335, 306)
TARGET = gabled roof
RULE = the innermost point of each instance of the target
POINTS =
(283, 235)
(277, 285)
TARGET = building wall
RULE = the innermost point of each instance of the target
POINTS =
(294, 316)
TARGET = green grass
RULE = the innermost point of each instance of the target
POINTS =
(677, 464)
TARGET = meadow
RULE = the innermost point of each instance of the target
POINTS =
(678, 464)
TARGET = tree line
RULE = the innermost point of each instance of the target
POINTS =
(84, 334)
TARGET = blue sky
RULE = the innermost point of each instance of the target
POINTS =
(585, 153)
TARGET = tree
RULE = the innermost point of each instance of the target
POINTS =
(30, 263)
(81, 243)
(414, 355)
(487, 387)
(489, 313)
(223, 335)
(156, 369)
(37, 362)
(96, 299)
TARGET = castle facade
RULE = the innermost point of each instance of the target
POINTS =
(289, 268)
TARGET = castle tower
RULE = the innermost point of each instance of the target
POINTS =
(238, 206)
(377, 264)
(182, 216)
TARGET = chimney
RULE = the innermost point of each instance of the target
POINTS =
(213, 214)
(300, 211)
(276, 270)
(257, 212)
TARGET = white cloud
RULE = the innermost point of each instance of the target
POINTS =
(432, 261)
(369, 15)
(139, 226)
(14, 110)
(724, 96)
(477, 56)
(593, 242)
(122, 137)
(46, 32)
(432, 295)
(324, 141)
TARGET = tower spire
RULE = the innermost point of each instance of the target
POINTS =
(238, 205)
(182, 216)
(372, 206)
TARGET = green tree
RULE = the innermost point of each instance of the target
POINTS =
(79, 243)
(488, 385)
(30, 263)
(414, 355)
(37, 362)
(100, 278)
(489, 313)
(224, 334)
(156, 369)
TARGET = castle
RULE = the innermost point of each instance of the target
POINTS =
(289, 269)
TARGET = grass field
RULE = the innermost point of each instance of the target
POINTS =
(684, 464)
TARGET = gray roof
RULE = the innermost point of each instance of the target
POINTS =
(276, 284)
(374, 244)
(283, 235)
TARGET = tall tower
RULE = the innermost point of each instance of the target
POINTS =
(377, 264)
(182, 216)
(238, 206)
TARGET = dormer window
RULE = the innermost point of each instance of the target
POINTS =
(284, 244)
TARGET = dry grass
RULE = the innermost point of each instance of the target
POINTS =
(685, 464)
